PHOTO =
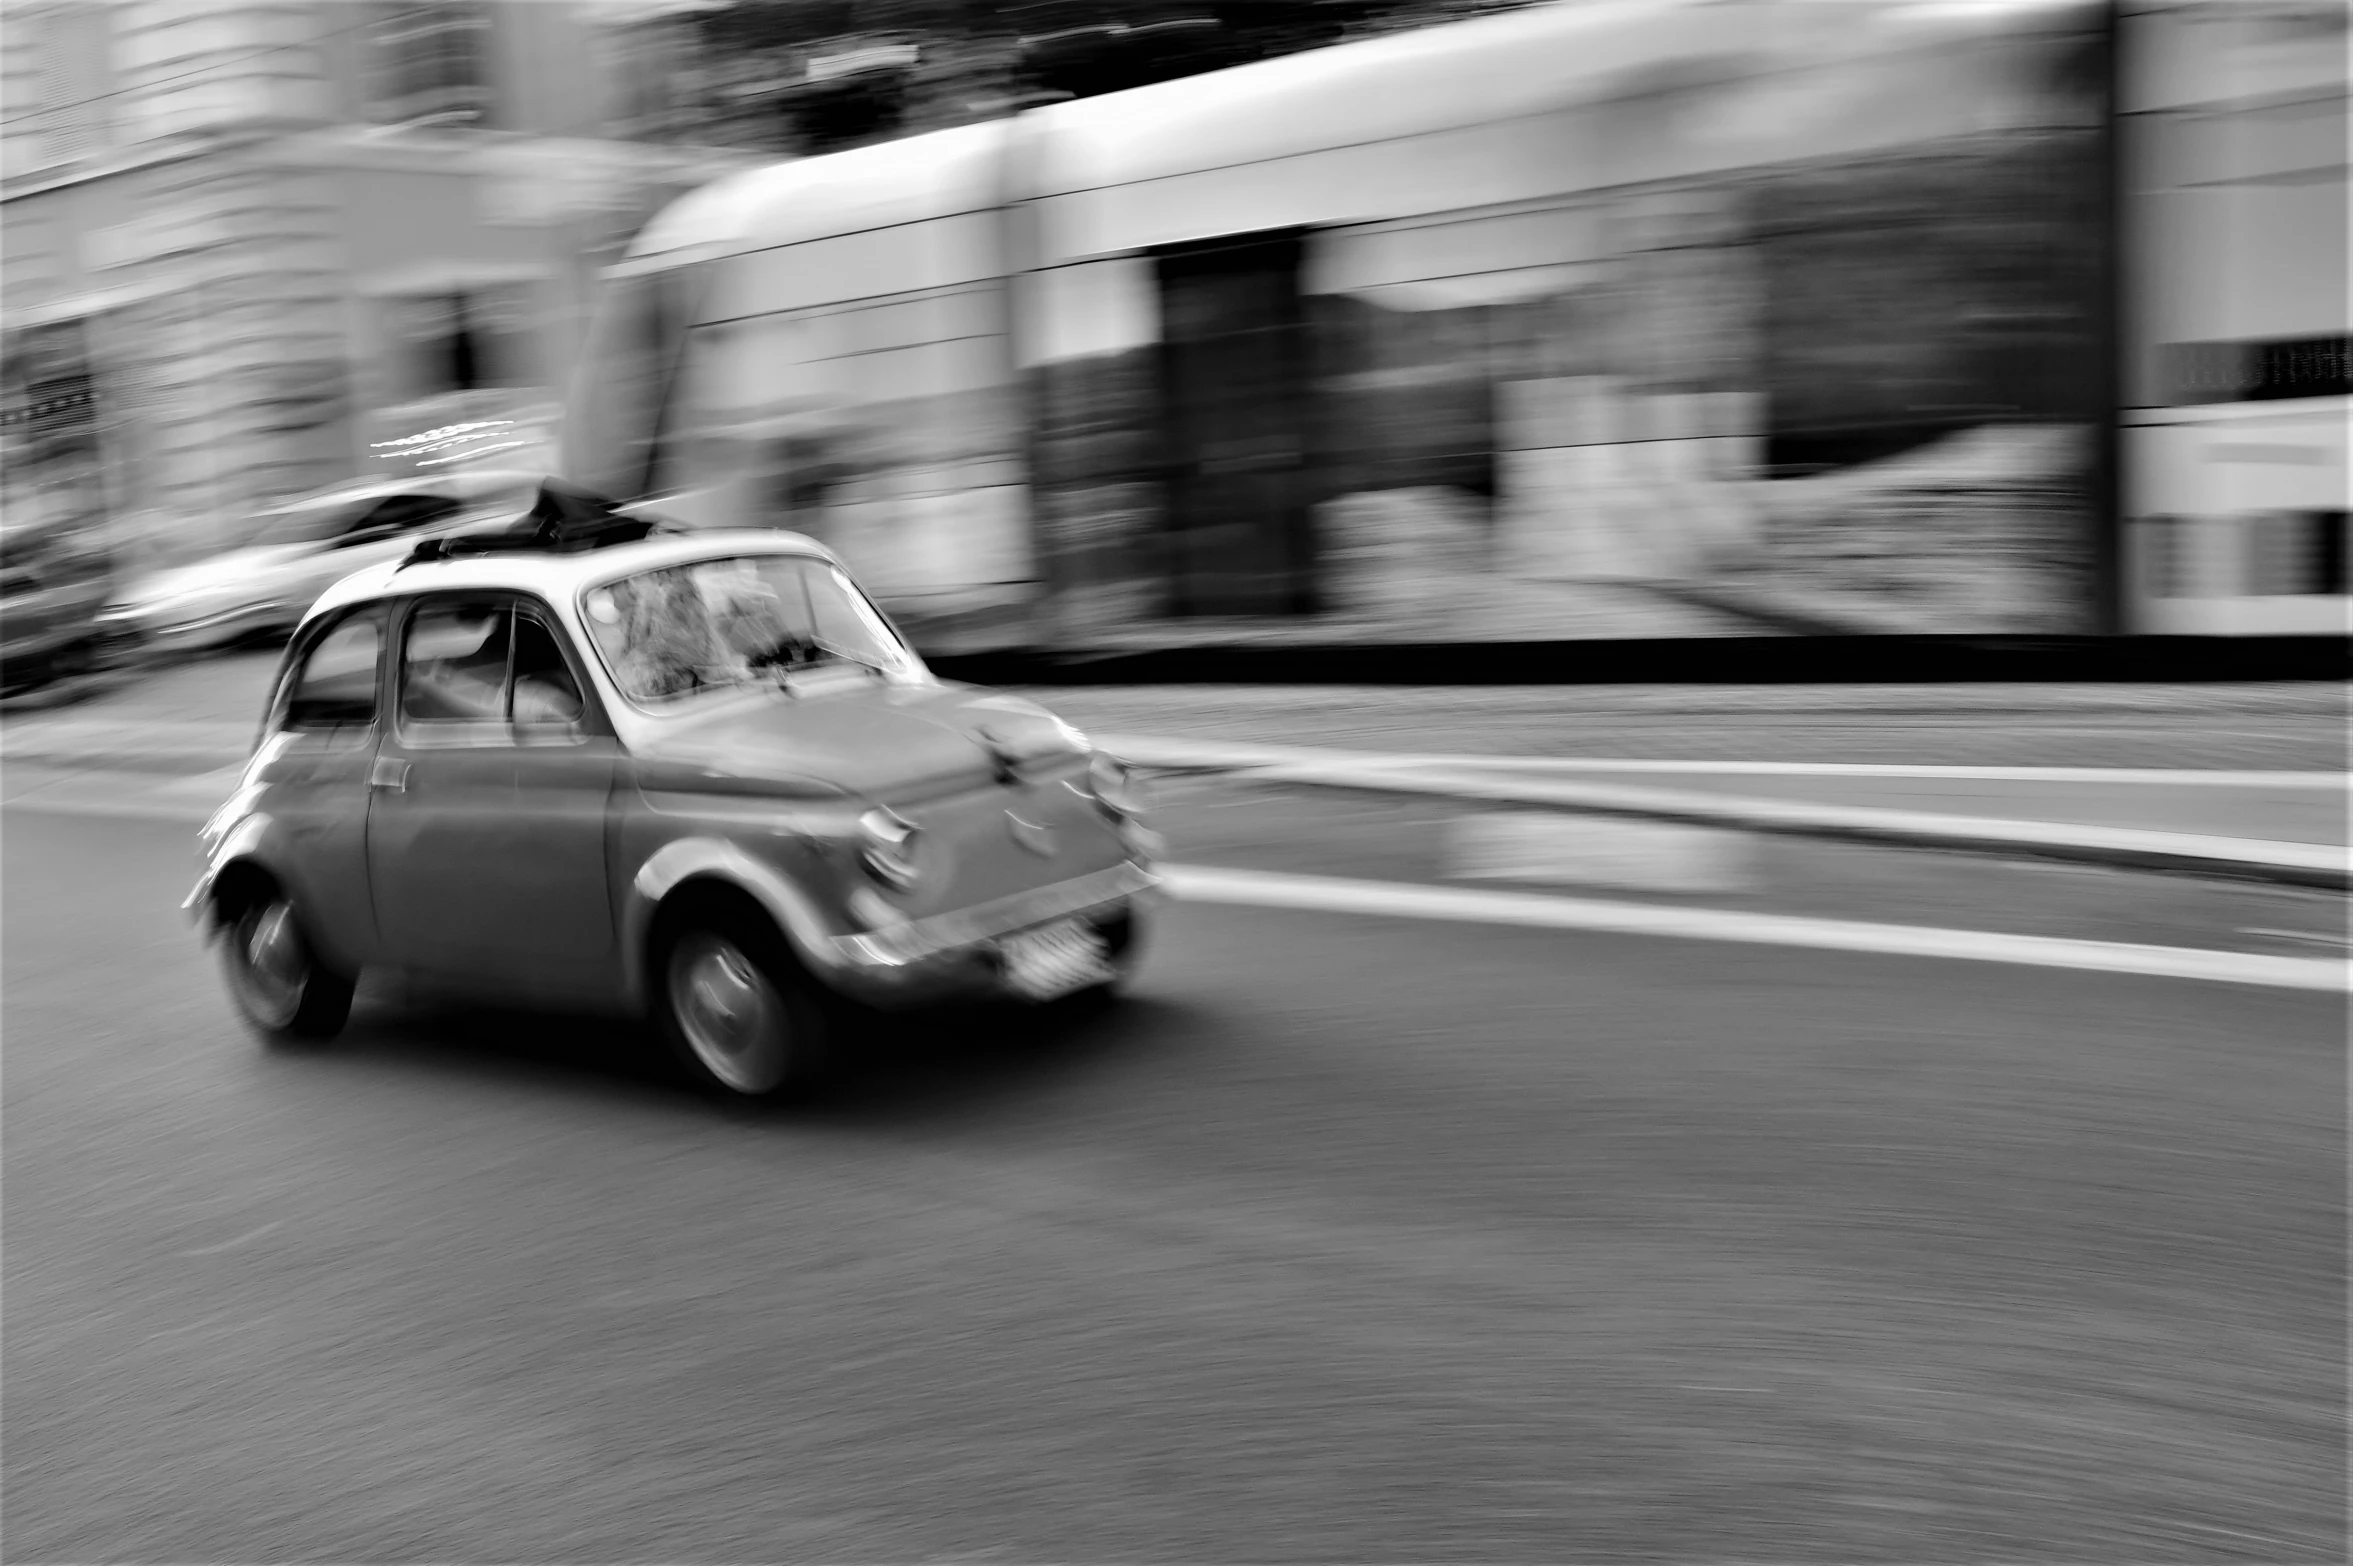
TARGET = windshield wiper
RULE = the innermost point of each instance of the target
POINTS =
(791, 657)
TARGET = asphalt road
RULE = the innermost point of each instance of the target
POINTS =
(1351, 1238)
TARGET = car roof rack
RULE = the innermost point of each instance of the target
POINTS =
(563, 520)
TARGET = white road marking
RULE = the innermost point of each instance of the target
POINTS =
(1213, 754)
(1333, 894)
(1570, 850)
(2337, 782)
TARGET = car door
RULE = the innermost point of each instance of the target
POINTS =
(318, 746)
(486, 825)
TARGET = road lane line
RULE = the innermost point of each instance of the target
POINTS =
(1147, 750)
(2184, 777)
(1394, 899)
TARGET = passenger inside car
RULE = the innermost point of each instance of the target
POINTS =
(454, 668)
(544, 692)
(462, 661)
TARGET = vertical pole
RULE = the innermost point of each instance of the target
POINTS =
(2111, 332)
(1021, 255)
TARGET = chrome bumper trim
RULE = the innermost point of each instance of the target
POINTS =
(896, 946)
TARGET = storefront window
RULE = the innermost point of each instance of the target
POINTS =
(460, 340)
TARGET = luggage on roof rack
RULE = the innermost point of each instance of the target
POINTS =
(563, 520)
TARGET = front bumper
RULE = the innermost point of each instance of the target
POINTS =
(955, 956)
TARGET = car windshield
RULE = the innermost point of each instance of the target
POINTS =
(745, 620)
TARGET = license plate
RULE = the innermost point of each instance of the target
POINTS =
(1055, 960)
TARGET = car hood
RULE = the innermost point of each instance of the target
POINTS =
(891, 744)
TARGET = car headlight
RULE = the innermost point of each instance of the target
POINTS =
(1116, 787)
(887, 849)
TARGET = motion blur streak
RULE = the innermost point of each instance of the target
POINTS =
(1335, 895)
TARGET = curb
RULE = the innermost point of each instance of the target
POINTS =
(1841, 659)
(2310, 865)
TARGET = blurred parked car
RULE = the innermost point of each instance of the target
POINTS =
(296, 551)
(54, 581)
(697, 778)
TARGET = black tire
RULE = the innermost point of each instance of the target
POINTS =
(282, 989)
(736, 1011)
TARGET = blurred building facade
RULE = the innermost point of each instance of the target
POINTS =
(256, 246)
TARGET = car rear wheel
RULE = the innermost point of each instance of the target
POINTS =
(281, 988)
(737, 1013)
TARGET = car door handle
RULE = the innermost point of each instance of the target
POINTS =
(389, 775)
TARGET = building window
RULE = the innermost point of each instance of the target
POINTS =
(76, 104)
(459, 341)
(431, 64)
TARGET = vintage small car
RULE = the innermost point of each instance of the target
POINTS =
(582, 759)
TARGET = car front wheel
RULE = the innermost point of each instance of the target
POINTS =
(736, 1012)
(281, 988)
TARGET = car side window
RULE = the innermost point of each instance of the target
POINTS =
(485, 671)
(545, 697)
(334, 686)
(453, 669)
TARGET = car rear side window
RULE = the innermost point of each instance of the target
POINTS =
(334, 687)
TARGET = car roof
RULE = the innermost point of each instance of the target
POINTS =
(558, 575)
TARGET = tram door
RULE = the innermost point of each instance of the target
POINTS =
(1235, 388)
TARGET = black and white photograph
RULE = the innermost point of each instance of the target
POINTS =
(1175, 782)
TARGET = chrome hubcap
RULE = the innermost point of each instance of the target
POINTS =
(271, 954)
(732, 1017)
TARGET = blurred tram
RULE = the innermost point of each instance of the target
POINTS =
(1615, 318)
